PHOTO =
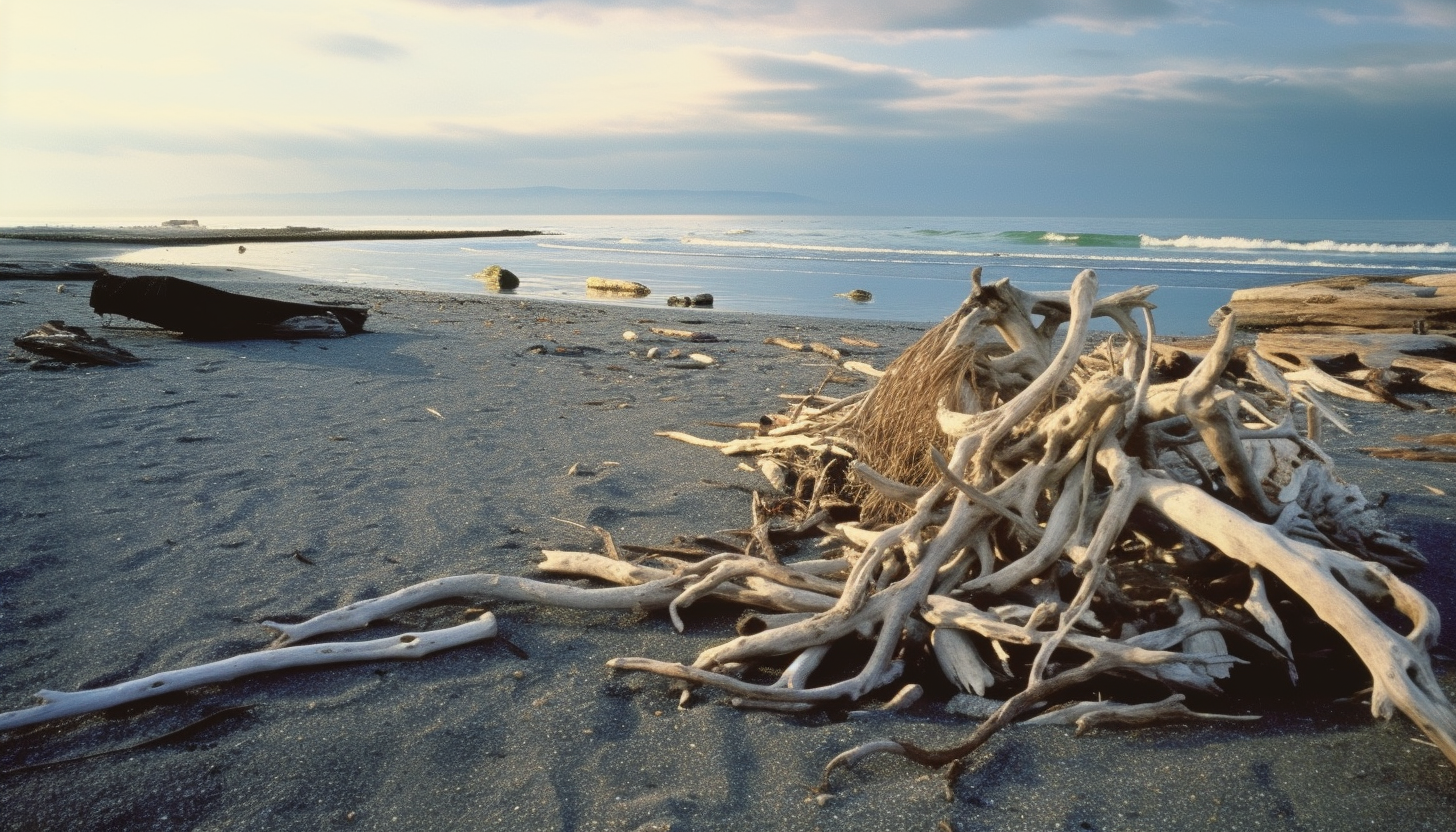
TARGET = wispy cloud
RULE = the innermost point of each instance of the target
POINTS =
(1415, 13)
(863, 16)
(360, 47)
(824, 93)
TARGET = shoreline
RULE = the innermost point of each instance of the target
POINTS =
(157, 513)
(185, 236)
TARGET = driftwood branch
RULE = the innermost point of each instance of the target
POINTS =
(59, 704)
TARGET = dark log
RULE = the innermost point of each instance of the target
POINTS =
(72, 345)
(200, 311)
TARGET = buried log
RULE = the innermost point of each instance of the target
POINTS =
(1000, 492)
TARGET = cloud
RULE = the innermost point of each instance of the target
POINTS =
(1414, 13)
(823, 93)
(1440, 13)
(360, 47)
(877, 16)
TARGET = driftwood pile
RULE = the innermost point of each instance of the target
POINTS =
(1032, 515)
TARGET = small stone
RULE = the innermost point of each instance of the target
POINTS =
(629, 335)
(856, 295)
(971, 705)
(497, 278)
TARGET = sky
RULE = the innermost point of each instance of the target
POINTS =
(1141, 108)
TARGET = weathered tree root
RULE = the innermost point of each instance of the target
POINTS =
(1025, 511)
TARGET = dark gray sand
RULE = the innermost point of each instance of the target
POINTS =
(151, 516)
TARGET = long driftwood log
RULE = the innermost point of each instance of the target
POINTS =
(1355, 303)
(1030, 513)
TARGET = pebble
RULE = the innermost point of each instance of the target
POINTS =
(971, 705)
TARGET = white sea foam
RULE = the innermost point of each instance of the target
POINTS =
(788, 251)
(1255, 244)
(1054, 237)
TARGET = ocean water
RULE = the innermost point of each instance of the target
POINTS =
(916, 268)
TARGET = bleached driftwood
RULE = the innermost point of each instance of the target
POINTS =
(1037, 516)
(1365, 366)
(614, 286)
(1088, 715)
(1356, 303)
(58, 704)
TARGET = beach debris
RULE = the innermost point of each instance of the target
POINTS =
(59, 704)
(863, 368)
(856, 295)
(433, 412)
(498, 279)
(1353, 303)
(856, 341)
(562, 349)
(200, 311)
(629, 335)
(1413, 454)
(703, 299)
(242, 249)
(827, 351)
(685, 335)
(787, 344)
(72, 345)
(613, 286)
(702, 358)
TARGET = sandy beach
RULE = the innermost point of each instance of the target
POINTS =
(153, 515)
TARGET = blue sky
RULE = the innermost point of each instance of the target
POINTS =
(1233, 108)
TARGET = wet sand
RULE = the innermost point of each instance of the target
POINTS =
(153, 515)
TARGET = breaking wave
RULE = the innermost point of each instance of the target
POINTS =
(1256, 244)
(1057, 238)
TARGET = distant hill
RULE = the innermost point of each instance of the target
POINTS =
(544, 200)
